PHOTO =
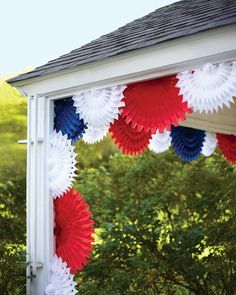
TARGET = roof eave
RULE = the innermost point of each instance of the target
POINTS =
(215, 45)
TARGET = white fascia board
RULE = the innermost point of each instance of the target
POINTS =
(215, 45)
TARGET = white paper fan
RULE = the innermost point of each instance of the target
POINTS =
(93, 134)
(210, 87)
(209, 144)
(61, 280)
(61, 164)
(160, 142)
(99, 107)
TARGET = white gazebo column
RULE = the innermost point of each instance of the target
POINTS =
(40, 217)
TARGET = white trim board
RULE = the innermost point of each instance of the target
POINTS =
(40, 212)
(216, 45)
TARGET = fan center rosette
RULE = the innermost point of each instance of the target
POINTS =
(210, 87)
(154, 104)
(61, 164)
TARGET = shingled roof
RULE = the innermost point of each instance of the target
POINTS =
(170, 22)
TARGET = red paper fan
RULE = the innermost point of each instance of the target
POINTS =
(129, 140)
(154, 104)
(73, 230)
(227, 145)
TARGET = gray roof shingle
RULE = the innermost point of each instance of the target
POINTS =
(173, 21)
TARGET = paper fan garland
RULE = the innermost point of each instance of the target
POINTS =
(61, 280)
(187, 142)
(154, 104)
(99, 107)
(93, 135)
(209, 144)
(227, 145)
(67, 120)
(160, 142)
(210, 87)
(129, 140)
(61, 164)
(73, 230)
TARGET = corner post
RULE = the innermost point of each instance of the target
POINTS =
(40, 216)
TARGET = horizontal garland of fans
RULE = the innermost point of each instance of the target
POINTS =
(138, 116)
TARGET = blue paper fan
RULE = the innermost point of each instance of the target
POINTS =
(187, 142)
(67, 121)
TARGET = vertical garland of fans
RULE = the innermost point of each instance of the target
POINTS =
(73, 225)
(138, 116)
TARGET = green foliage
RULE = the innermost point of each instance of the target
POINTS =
(12, 191)
(12, 240)
(12, 270)
(93, 155)
(13, 110)
(164, 226)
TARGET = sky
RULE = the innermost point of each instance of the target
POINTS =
(36, 31)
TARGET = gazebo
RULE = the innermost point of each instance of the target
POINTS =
(176, 38)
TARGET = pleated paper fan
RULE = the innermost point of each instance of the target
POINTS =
(209, 144)
(99, 107)
(73, 230)
(61, 280)
(227, 145)
(187, 142)
(67, 120)
(129, 140)
(93, 135)
(160, 142)
(154, 104)
(210, 87)
(61, 164)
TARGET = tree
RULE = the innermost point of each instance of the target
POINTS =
(13, 109)
(12, 191)
(163, 226)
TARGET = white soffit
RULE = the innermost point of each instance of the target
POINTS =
(224, 121)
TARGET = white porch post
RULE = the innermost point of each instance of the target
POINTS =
(40, 219)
